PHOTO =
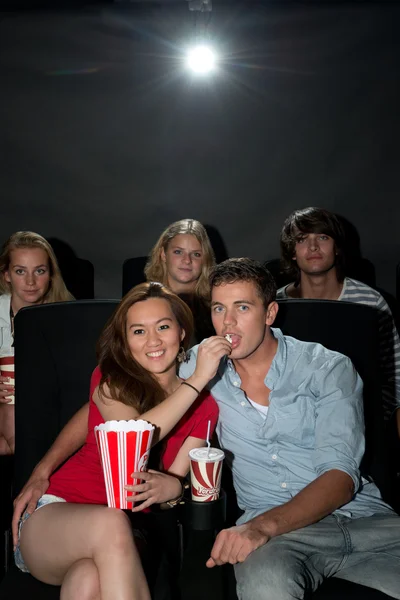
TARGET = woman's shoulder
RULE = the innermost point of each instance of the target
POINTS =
(94, 380)
(205, 405)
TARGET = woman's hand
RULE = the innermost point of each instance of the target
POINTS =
(6, 390)
(209, 356)
(27, 500)
(155, 488)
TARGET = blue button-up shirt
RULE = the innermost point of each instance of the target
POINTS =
(315, 423)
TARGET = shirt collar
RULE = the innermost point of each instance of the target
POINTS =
(278, 364)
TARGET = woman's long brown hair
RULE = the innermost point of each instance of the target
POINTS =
(126, 379)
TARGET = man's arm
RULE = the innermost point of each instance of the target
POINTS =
(70, 439)
(338, 450)
(317, 500)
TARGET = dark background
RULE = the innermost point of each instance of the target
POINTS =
(106, 139)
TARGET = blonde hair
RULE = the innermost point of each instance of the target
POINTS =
(156, 269)
(57, 291)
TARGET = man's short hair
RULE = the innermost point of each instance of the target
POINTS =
(245, 269)
(311, 220)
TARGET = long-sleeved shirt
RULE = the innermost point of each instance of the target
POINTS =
(314, 424)
(389, 342)
(6, 338)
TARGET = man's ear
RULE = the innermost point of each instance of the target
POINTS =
(272, 311)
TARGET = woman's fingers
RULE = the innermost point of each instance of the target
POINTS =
(140, 487)
(145, 504)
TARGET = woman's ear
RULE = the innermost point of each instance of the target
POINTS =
(162, 255)
(183, 334)
(7, 276)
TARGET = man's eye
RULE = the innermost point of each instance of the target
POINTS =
(218, 309)
(243, 308)
(138, 331)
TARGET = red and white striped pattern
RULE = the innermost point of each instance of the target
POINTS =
(7, 370)
(206, 480)
(122, 453)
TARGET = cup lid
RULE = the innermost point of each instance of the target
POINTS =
(206, 454)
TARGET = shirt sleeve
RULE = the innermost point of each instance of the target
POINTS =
(389, 358)
(187, 368)
(339, 428)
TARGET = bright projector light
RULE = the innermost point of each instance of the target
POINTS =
(201, 59)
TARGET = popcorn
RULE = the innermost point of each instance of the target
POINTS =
(228, 338)
(124, 448)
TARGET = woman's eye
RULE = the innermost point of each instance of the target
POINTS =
(177, 251)
(197, 254)
(301, 240)
(163, 327)
(323, 238)
(41, 271)
(19, 271)
(138, 331)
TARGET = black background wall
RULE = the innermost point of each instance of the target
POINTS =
(106, 139)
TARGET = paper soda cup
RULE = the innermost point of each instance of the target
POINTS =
(205, 473)
(124, 448)
(7, 370)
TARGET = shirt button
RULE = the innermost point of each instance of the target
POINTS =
(274, 457)
(236, 384)
(283, 484)
(243, 403)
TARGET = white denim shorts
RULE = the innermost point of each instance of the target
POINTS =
(45, 499)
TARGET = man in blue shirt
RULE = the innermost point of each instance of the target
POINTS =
(291, 422)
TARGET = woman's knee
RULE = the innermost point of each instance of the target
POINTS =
(81, 581)
(114, 528)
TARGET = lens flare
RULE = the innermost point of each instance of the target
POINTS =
(201, 59)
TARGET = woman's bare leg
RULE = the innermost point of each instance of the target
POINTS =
(81, 581)
(7, 429)
(58, 535)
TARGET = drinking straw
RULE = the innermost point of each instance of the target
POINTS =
(208, 439)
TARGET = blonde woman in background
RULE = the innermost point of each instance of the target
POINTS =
(182, 259)
(29, 275)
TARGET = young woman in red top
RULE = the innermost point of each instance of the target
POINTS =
(73, 540)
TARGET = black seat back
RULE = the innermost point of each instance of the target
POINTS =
(54, 359)
(133, 272)
(351, 329)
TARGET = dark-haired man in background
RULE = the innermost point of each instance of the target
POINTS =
(291, 423)
(312, 251)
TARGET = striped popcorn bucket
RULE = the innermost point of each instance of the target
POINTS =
(7, 370)
(124, 448)
(205, 473)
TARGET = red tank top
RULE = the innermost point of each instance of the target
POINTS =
(81, 480)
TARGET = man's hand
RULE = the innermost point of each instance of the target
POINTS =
(6, 390)
(155, 488)
(235, 544)
(27, 500)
